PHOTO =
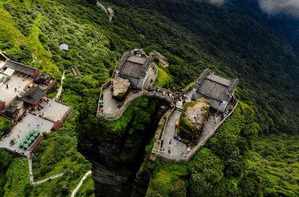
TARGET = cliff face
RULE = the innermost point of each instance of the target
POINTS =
(119, 150)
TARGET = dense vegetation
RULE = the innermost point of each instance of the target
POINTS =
(164, 79)
(4, 126)
(236, 41)
(5, 161)
(193, 36)
(234, 163)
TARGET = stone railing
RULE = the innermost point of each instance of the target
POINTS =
(195, 149)
(163, 94)
(159, 132)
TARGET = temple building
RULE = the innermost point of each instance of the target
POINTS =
(24, 102)
(21, 86)
(33, 96)
(217, 90)
(21, 68)
(138, 68)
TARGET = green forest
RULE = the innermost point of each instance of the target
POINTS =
(255, 153)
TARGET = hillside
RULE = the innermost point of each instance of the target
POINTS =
(235, 40)
(238, 42)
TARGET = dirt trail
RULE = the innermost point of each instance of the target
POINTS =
(31, 177)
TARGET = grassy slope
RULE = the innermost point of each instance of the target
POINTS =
(17, 178)
(58, 152)
(275, 159)
(164, 79)
(13, 39)
(90, 53)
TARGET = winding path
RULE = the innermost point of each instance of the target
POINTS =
(31, 177)
(74, 192)
(48, 179)
(59, 92)
(109, 11)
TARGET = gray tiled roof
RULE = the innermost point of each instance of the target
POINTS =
(33, 95)
(134, 66)
(214, 90)
(132, 69)
(219, 80)
(21, 68)
(137, 59)
(217, 89)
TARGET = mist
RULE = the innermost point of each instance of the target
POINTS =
(216, 2)
(272, 7)
(213, 2)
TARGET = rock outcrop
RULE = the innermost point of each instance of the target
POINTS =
(194, 117)
(120, 87)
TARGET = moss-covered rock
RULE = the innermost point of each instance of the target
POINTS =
(164, 78)
(192, 120)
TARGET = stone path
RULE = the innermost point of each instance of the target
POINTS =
(48, 179)
(59, 92)
(109, 11)
(171, 148)
(31, 177)
(112, 109)
(75, 191)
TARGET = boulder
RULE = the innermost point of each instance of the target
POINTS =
(195, 115)
(120, 87)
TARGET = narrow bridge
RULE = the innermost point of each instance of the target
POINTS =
(111, 109)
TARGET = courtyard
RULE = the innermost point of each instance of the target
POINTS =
(18, 135)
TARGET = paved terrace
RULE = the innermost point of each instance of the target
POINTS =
(169, 147)
(52, 111)
(15, 80)
(43, 120)
(27, 125)
(14, 87)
